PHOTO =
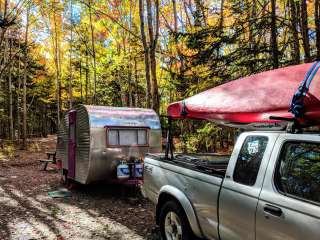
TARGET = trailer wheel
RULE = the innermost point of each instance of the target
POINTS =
(174, 224)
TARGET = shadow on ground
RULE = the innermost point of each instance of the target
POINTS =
(98, 211)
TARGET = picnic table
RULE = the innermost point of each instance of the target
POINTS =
(51, 158)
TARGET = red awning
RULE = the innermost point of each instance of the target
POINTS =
(252, 99)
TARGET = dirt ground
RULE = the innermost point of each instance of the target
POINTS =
(92, 212)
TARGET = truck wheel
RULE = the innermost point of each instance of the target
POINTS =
(173, 222)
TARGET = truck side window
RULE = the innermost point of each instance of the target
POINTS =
(249, 160)
(298, 171)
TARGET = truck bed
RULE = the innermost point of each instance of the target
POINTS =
(213, 164)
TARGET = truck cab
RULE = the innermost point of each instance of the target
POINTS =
(269, 188)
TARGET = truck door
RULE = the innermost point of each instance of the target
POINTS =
(242, 185)
(289, 204)
(72, 145)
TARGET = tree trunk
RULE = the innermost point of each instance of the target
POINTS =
(274, 43)
(57, 66)
(180, 55)
(221, 20)
(18, 93)
(175, 16)
(146, 53)
(221, 140)
(136, 82)
(155, 92)
(153, 38)
(80, 78)
(87, 77)
(130, 102)
(122, 91)
(251, 18)
(6, 87)
(295, 33)
(45, 127)
(70, 55)
(305, 31)
(187, 20)
(25, 82)
(129, 63)
(317, 24)
(199, 14)
(10, 90)
(94, 57)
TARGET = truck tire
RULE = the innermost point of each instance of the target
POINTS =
(174, 224)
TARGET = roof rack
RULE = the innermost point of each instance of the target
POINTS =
(293, 126)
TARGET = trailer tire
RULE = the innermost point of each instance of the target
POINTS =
(174, 223)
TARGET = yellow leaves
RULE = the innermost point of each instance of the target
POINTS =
(40, 79)
(99, 27)
(213, 20)
(43, 61)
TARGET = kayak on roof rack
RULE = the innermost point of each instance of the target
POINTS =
(249, 102)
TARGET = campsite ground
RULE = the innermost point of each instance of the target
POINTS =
(95, 212)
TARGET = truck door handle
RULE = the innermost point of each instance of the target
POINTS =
(272, 210)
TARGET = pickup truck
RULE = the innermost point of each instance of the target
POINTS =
(269, 188)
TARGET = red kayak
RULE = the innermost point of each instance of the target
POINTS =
(249, 102)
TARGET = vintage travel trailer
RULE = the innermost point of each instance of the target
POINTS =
(106, 143)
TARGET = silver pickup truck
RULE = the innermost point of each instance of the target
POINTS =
(269, 188)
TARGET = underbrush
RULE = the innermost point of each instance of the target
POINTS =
(34, 147)
(204, 137)
(7, 151)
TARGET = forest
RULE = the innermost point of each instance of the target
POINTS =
(139, 53)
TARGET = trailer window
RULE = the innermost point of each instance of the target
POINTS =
(127, 137)
(113, 138)
(142, 137)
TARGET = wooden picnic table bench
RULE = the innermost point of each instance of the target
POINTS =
(51, 158)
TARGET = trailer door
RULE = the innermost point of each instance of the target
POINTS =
(72, 145)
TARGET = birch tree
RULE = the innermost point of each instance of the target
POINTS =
(25, 72)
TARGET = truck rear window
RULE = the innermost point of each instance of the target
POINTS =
(249, 160)
(298, 171)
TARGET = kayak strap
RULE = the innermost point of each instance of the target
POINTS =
(297, 107)
(184, 111)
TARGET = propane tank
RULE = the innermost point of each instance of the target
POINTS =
(123, 171)
(138, 169)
